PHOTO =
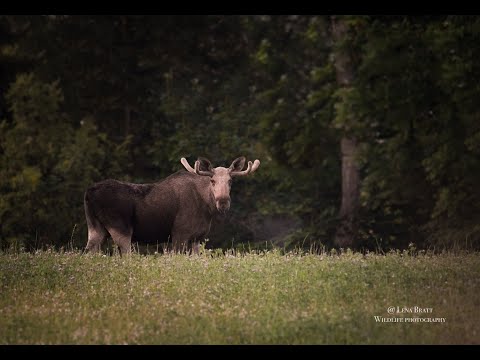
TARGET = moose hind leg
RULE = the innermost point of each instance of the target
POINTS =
(123, 239)
(96, 236)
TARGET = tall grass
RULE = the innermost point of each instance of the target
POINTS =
(257, 297)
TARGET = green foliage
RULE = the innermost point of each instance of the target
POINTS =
(30, 145)
(293, 104)
(84, 98)
(419, 168)
(47, 164)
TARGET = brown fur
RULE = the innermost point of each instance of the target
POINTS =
(178, 209)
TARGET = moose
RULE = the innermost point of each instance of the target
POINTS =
(180, 207)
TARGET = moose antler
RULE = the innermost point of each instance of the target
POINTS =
(196, 169)
(250, 169)
(187, 165)
(201, 172)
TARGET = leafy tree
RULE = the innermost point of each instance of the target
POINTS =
(418, 165)
(46, 165)
(294, 83)
(84, 98)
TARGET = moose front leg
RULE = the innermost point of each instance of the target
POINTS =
(180, 241)
(195, 247)
(188, 231)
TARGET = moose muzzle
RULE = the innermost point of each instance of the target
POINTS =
(223, 204)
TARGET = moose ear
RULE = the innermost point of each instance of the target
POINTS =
(205, 164)
(237, 164)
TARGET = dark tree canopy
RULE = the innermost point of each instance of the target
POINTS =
(85, 98)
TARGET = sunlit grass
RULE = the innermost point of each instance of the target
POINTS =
(253, 298)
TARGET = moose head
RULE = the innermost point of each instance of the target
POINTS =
(221, 177)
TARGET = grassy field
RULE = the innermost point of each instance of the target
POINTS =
(255, 298)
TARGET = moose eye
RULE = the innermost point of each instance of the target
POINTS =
(212, 182)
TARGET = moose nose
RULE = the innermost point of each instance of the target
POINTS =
(223, 204)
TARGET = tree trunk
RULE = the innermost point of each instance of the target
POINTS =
(127, 111)
(347, 229)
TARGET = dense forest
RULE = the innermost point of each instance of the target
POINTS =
(367, 127)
